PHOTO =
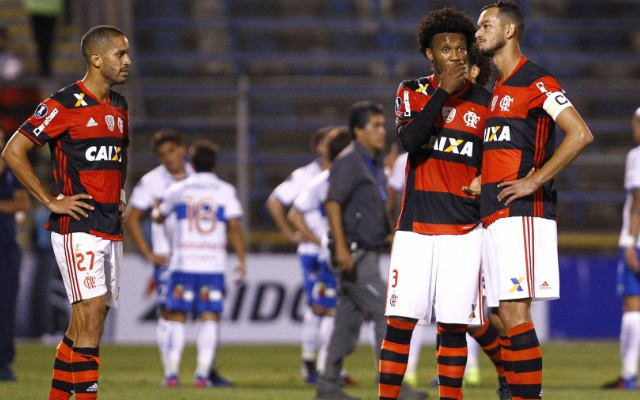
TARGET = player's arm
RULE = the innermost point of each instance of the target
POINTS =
(577, 138)
(15, 154)
(334, 217)
(630, 252)
(414, 134)
(133, 225)
(19, 202)
(236, 239)
(125, 167)
(277, 211)
(297, 220)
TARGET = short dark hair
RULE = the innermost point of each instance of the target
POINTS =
(319, 135)
(475, 58)
(163, 136)
(508, 11)
(203, 154)
(360, 114)
(98, 35)
(339, 141)
(445, 20)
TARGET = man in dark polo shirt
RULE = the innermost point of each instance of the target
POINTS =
(358, 223)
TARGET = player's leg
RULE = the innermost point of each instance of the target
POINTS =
(417, 338)
(323, 299)
(487, 337)
(180, 298)
(206, 344)
(62, 381)
(161, 275)
(310, 320)
(458, 303)
(472, 369)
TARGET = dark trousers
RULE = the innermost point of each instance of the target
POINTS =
(361, 300)
(43, 29)
(10, 257)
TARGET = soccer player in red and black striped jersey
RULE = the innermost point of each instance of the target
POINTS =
(518, 199)
(436, 254)
(86, 127)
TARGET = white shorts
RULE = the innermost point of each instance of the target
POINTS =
(90, 266)
(520, 260)
(436, 272)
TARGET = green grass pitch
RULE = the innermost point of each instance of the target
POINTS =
(574, 370)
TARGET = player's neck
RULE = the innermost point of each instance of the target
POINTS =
(507, 59)
(98, 87)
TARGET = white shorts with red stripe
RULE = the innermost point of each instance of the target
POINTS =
(436, 272)
(520, 260)
(90, 266)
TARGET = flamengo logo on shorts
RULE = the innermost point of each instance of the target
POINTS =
(90, 282)
(516, 285)
(392, 300)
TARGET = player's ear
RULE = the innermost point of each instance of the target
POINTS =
(96, 60)
(510, 30)
(429, 54)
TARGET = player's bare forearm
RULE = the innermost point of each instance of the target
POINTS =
(236, 239)
(631, 254)
(577, 138)
(132, 225)
(19, 202)
(15, 154)
(297, 220)
(277, 211)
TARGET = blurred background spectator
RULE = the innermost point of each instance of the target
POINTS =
(44, 15)
(10, 64)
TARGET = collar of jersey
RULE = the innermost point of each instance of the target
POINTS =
(522, 61)
(85, 90)
(467, 84)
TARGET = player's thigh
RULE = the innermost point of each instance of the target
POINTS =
(324, 293)
(310, 270)
(412, 276)
(628, 283)
(209, 293)
(525, 255)
(85, 262)
(458, 293)
(181, 292)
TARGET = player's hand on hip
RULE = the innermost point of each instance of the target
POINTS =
(71, 205)
(452, 76)
(121, 208)
(241, 271)
(474, 188)
(631, 258)
(512, 190)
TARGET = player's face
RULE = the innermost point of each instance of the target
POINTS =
(116, 61)
(373, 136)
(447, 48)
(490, 35)
(172, 156)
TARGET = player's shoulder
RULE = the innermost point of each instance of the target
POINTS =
(634, 153)
(118, 100)
(154, 175)
(346, 156)
(528, 74)
(307, 171)
(73, 96)
(479, 94)
(420, 85)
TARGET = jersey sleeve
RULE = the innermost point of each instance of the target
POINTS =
(404, 105)
(169, 200)
(47, 122)
(141, 197)
(233, 208)
(288, 190)
(632, 170)
(550, 97)
(397, 178)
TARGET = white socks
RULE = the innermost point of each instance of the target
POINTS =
(326, 328)
(417, 337)
(173, 347)
(207, 343)
(630, 344)
(162, 337)
(472, 352)
(310, 328)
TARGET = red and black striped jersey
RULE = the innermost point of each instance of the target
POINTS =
(433, 202)
(85, 138)
(519, 135)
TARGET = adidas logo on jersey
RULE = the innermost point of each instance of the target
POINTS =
(93, 388)
(91, 123)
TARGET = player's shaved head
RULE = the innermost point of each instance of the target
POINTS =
(509, 12)
(97, 39)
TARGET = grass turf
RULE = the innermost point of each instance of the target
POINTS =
(574, 370)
